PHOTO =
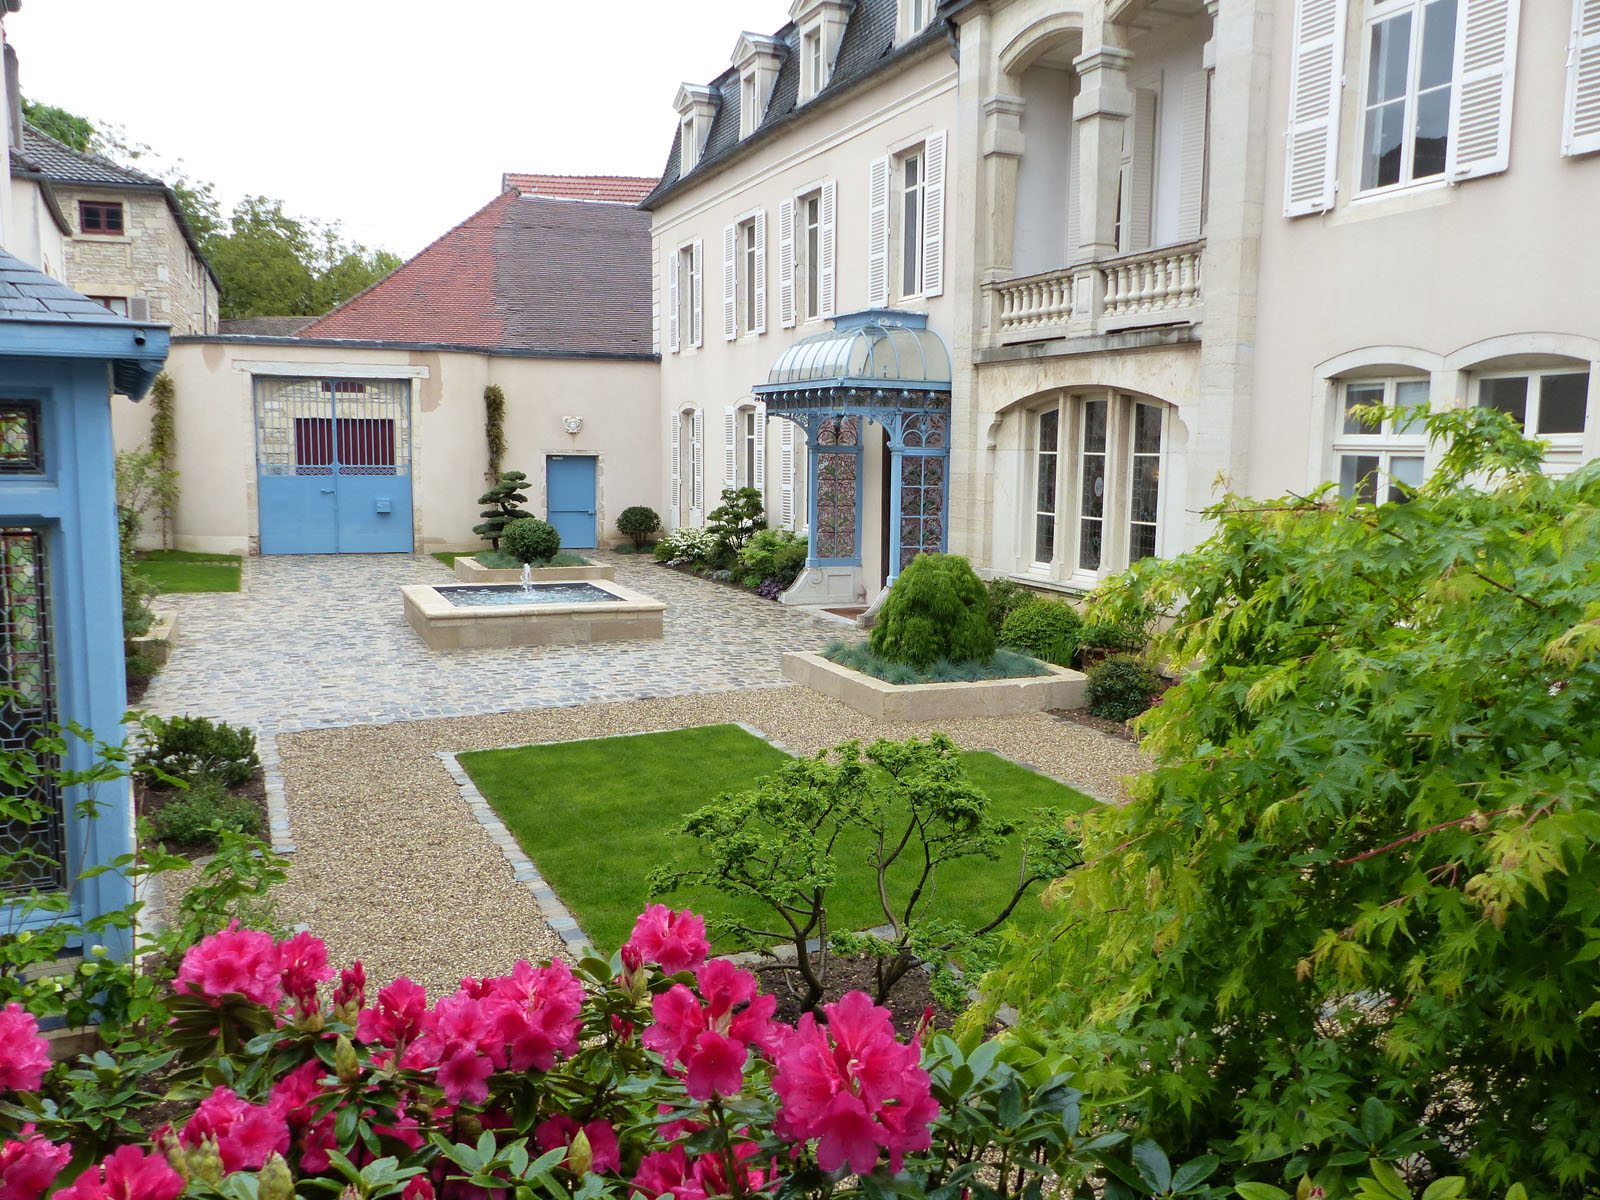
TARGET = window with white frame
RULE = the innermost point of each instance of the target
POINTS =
(1097, 465)
(1550, 403)
(688, 149)
(748, 446)
(749, 104)
(1380, 462)
(1410, 49)
(1045, 468)
(751, 283)
(686, 267)
(809, 246)
(913, 187)
(812, 65)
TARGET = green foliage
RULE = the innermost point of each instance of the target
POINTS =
(1366, 863)
(1005, 596)
(530, 540)
(737, 518)
(194, 817)
(1002, 664)
(187, 749)
(938, 608)
(774, 554)
(1121, 688)
(501, 560)
(502, 504)
(638, 522)
(1047, 629)
(1128, 636)
(66, 127)
(687, 544)
(163, 443)
(494, 426)
(777, 845)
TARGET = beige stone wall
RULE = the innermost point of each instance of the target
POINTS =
(617, 401)
(837, 142)
(1433, 281)
(150, 259)
(31, 231)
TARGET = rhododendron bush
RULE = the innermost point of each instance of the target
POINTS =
(659, 1073)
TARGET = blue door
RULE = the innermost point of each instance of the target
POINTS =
(333, 465)
(569, 485)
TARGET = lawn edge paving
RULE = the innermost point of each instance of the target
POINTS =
(556, 914)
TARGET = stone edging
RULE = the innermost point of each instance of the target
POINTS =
(559, 917)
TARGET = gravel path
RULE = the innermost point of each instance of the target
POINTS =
(392, 868)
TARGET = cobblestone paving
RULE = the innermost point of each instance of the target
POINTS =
(318, 641)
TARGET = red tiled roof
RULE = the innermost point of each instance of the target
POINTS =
(522, 273)
(615, 189)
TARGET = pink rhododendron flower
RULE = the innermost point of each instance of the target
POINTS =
(352, 989)
(535, 1013)
(708, 1175)
(24, 1055)
(29, 1165)
(128, 1174)
(853, 1087)
(675, 940)
(294, 1101)
(419, 1188)
(245, 1133)
(710, 1040)
(464, 1077)
(397, 1019)
(303, 961)
(715, 1067)
(662, 1173)
(559, 1130)
(234, 961)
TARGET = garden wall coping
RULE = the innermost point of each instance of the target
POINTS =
(1061, 688)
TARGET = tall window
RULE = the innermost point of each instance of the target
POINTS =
(811, 61)
(748, 447)
(750, 276)
(749, 117)
(1092, 492)
(918, 13)
(1411, 46)
(1145, 481)
(912, 186)
(811, 253)
(686, 296)
(1379, 462)
(1045, 464)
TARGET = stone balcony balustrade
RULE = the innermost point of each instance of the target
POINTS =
(1155, 287)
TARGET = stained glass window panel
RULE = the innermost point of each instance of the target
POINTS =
(35, 846)
(21, 452)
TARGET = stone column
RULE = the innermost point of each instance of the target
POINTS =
(1104, 103)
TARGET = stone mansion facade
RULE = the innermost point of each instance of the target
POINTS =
(1032, 281)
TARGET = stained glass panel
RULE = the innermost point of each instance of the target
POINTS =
(835, 534)
(21, 452)
(922, 504)
(35, 847)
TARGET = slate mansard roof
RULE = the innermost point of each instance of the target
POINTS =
(59, 163)
(524, 274)
(866, 48)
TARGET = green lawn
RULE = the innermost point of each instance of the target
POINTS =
(448, 557)
(188, 571)
(597, 816)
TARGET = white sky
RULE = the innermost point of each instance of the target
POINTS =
(393, 117)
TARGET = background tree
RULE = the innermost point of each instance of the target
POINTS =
(1364, 869)
(69, 128)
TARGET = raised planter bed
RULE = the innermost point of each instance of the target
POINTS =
(468, 571)
(157, 644)
(1061, 688)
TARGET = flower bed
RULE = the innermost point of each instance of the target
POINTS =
(1056, 688)
(469, 569)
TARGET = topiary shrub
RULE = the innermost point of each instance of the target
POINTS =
(1005, 597)
(938, 608)
(737, 519)
(638, 523)
(1047, 629)
(1121, 688)
(191, 748)
(502, 504)
(530, 540)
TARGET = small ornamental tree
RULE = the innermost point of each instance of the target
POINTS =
(530, 540)
(502, 504)
(638, 522)
(938, 608)
(1366, 864)
(737, 518)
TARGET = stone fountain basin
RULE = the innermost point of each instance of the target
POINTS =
(627, 614)
(468, 571)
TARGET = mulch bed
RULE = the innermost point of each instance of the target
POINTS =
(149, 800)
(911, 996)
(1082, 716)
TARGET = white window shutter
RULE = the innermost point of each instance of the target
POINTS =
(1486, 60)
(1192, 156)
(697, 464)
(826, 240)
(761, 271)
(730, 282)
(1316, 76)
(786, 264)
(786, 473)
(1141, 171)
(672, 302)
(761, 451)
(1074, 200)
(933, 215)
(878, 234)
(730, 447)
(677, 456)
(696, 296)
(1580, 127)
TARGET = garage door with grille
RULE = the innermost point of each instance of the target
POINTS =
(333, 465)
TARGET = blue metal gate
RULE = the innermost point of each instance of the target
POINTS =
(570, 492)
(333, 465)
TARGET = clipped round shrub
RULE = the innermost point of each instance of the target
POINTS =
(1047, 629)
(528, 539)
(938, 608)
(638, 522)
(1113, 635)
(1121, 688)
(1005, 597)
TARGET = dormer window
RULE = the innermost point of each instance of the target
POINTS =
(757, 59)
(914, 18)
(821, 25)
(696, 107)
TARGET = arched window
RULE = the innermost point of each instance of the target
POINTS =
(1372, 461)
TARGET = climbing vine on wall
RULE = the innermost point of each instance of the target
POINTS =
(494, 426)
(163, 443)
